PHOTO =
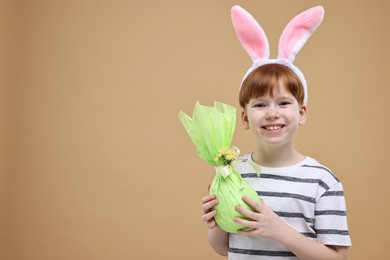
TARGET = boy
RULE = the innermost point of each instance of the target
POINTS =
(305, 199)
(302, 212)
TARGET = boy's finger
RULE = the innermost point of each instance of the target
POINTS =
(248, 213)
(254, 204)
(209, 205)
(208, 198)
(206, 217)
(245, 223)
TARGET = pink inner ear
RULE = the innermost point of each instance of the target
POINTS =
(250, 34)
(298, 30)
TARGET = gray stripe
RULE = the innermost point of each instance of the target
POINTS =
(260, 252)
(333, 193)
(332, 232)
(311, 235)
(294, 215)
(285, 178)
(286, 195)
(330, 212)
(323, 185)
(322, 168)
(294, 179)
(250, 175)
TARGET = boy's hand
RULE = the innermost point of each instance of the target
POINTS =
(208, 202)
(264, 222)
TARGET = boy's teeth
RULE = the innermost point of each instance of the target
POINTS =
(273, 127)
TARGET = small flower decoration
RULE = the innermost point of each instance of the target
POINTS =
(226, 156)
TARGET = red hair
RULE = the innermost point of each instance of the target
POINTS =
(264, 79)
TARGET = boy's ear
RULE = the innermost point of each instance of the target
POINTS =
(244, 119)
(302, 115)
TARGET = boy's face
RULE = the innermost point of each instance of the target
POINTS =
(274, 120)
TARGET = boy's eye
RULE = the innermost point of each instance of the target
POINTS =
(284, 103)
(259, 105)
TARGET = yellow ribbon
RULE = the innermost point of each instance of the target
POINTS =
(224, 170)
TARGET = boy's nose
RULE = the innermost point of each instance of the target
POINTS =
(272, 114)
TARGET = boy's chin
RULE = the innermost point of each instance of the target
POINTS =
(273, 141)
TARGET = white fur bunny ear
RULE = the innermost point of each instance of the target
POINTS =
(298, 31)
(250, 34)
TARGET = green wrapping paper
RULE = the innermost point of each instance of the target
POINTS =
(211, 130)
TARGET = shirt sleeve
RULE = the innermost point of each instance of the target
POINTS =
(331, 219)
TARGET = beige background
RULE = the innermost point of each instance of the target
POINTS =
(94, 161)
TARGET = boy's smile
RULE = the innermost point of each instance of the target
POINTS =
(273, 128)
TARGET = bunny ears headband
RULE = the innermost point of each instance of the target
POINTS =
(294, 36)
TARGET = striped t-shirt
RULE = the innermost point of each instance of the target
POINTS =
(308, 196)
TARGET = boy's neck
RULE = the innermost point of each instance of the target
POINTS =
(276, 156)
